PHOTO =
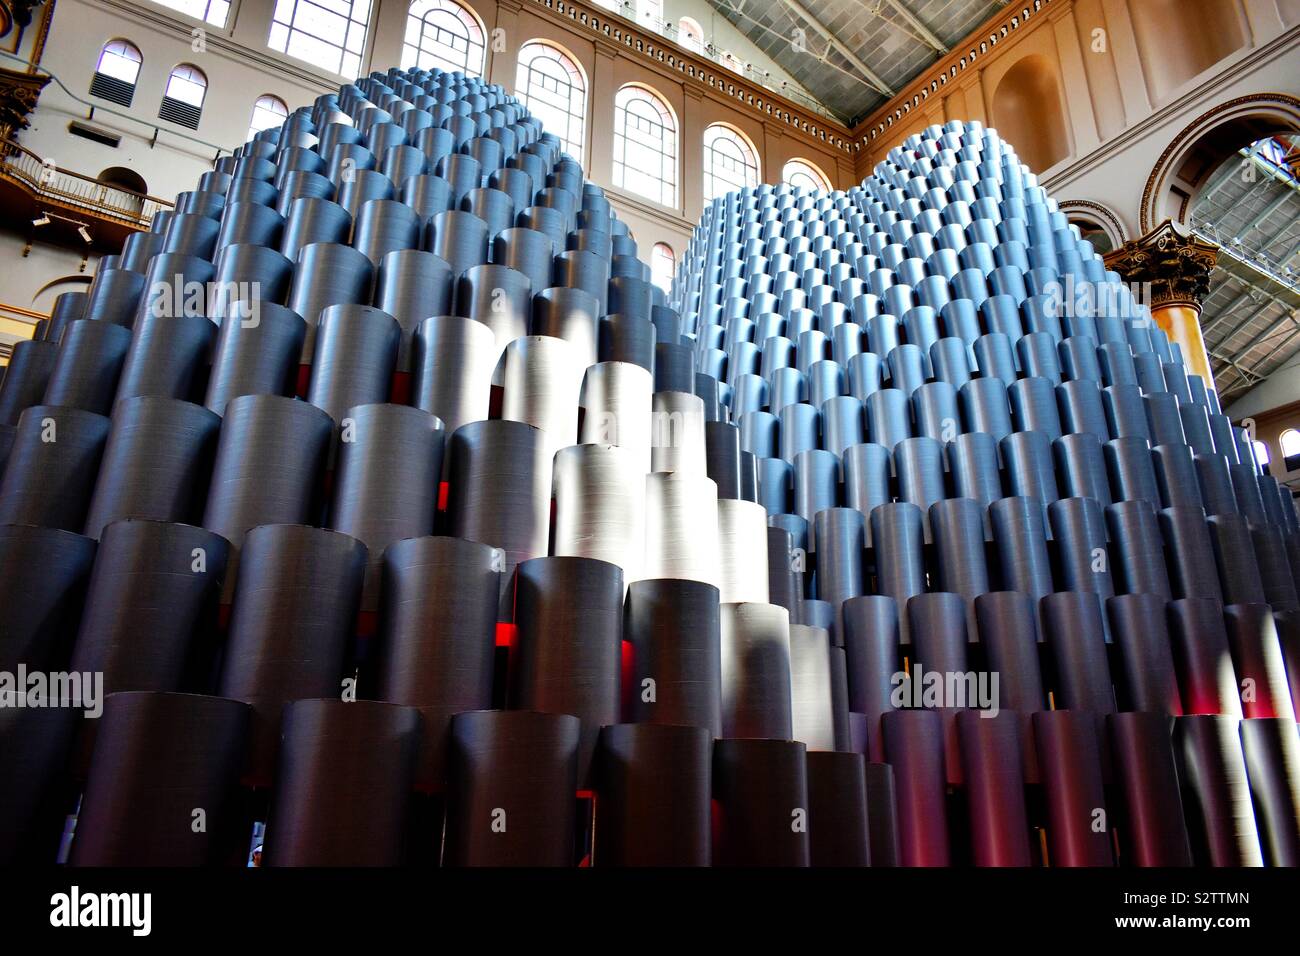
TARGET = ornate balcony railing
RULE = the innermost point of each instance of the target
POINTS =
(51, 184)
(769, 98)
(629, 11)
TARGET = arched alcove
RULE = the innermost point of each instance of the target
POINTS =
(1028, 113)
(124, 178)
(1179, 39)
(1215, 136)
(43, 298)
(1097, 223)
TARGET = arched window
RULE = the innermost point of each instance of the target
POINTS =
(182, 101)
(553, 89)
(729, 162)
(663, 262)
(1261, 453)
(443, 34)
(1290, 442)
(268, 112)
(116, 72)
(209, 11)
(330, 34)
(802, 174)
(690, 35)
(645, 145)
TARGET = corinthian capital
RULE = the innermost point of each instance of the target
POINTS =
(1175, 263)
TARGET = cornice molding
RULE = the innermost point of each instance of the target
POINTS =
(680, 64)
(970, 55)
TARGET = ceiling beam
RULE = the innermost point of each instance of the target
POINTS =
(1242, 373)
(841, 48)
(724, 7)
(1258, 219)
(1269, 357)
(1220, 314)
(1265, 336)
(1245, 324)
(1234, 364)
(1286, 259)
(1212, 188)
(922, 31)
(1272, 352)
(1274, 281)
(1227, 172)
(1257, 371)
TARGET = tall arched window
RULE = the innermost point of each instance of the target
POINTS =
(730, 162)
(663, 262)
(269, 111)
(802, 174)
(182, 101)
(116, 72)
(209, 11)
(1260, 451)
(330, 34)
(551, 85)
(645, 145)
(690, 35)
(1290, 442)
(443, 34)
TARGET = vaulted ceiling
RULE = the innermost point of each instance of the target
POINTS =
(853, 55)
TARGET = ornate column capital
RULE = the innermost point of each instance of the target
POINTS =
(1175, 263)
(18, 95)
